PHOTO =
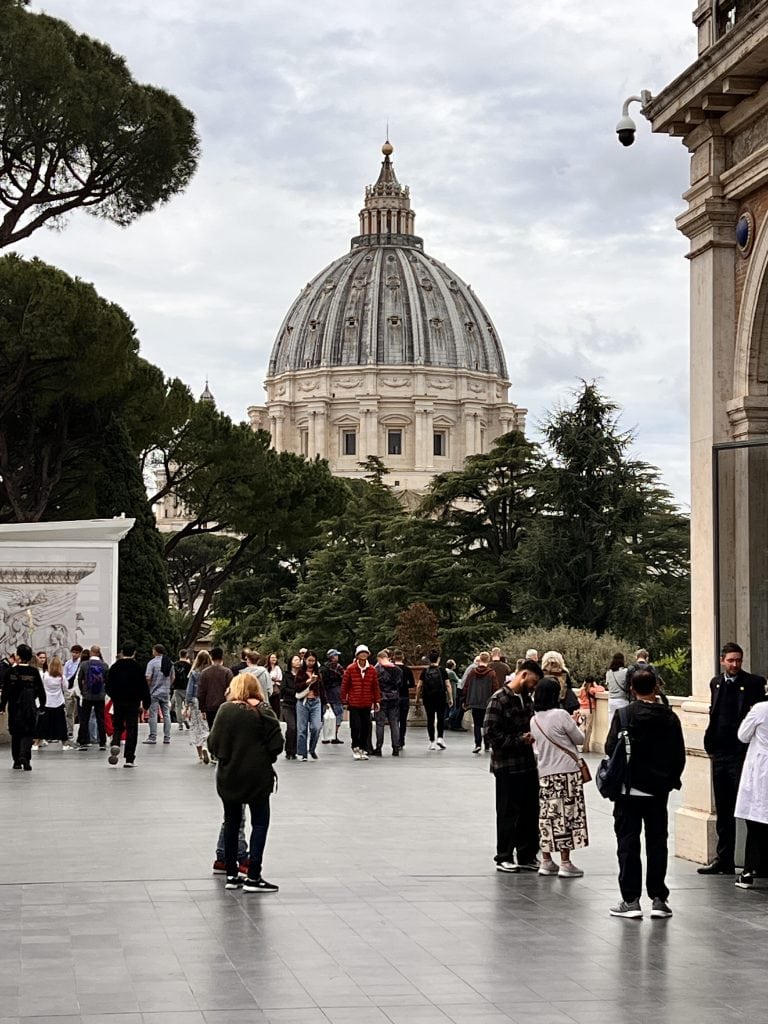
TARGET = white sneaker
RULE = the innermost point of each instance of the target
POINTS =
(356, 753)
(569, 870)
(432, 746)
(508, 867)
(363, 755)
(477, 750)
(441, 743)
(35, 746)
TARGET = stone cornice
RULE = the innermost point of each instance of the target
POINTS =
(67, 575)
(748, 417)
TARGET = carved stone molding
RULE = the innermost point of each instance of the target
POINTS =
(68, 575)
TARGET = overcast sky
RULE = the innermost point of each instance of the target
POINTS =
(502, 114)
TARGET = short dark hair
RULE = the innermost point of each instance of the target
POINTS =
(434, 656)
(529, 665)
(183, 653)
(24, 652)
(76, 649)
(644, 681)
(159, 648)
(546, 695)
(731, 649)
(217, 654)
(128, 650)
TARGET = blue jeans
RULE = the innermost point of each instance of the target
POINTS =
(163, 702)
(338, 710)
(233, 816)
(309, 718)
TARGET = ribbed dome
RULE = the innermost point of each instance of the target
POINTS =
(387, 302)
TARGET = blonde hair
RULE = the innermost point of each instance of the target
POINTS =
(56, 668)
(483, 658)
(553, 661)
(203, 660)
(245, 687)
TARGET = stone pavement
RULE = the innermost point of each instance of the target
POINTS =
(389, 912)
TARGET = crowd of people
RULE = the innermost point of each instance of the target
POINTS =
(530, 718)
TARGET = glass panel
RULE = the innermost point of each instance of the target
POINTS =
(350, 443)
(394, 442)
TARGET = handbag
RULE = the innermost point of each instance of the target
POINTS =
(612, 777)
(586, 774)
(329, 724)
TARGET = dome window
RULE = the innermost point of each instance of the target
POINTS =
(436, 322)
(394, 321)
(351, 321)
(470, 326)
(393, 283)
(426, 284)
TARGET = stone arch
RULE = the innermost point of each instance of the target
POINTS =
(751, 355)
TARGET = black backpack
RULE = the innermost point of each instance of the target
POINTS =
(612, 777)
(432, 684)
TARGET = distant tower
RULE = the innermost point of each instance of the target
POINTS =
(206, 395)
(387, 352)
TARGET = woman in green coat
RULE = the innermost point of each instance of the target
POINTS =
(246, 740)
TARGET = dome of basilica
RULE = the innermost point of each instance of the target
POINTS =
(387, 304)
(387, 353)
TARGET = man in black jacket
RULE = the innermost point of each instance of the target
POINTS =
(656, 765)
(127, 688)
(733, 693)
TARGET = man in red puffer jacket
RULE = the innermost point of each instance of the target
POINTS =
(360, 692)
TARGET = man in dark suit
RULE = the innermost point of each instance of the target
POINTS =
(733, 692)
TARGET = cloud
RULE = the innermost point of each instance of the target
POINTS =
(502, 115)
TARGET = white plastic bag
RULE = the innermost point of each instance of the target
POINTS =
(329, 724)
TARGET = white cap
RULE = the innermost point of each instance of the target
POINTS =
(360, 648)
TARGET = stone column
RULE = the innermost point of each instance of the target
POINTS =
(278, 430)
(710, 225)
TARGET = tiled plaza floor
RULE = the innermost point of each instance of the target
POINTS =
(389, 912)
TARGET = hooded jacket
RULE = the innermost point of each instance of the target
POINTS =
(390, 678)
(478, 687)
(657, 755)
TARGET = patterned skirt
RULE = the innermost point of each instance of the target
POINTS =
(562, 813)
(198, 727)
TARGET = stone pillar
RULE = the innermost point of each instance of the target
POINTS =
(710, 225)
(278, 430)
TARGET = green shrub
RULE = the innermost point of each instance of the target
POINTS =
(584, 652)
(675, 670)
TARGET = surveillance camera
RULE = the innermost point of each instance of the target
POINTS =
(626, 129)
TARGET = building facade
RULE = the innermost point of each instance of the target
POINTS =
(387, 353)
(719, 108)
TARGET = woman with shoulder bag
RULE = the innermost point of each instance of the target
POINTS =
(562, 812)
(246, 740)
(616, 682)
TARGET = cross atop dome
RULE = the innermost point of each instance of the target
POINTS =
(387, 209)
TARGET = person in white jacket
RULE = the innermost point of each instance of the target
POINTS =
(752, 797)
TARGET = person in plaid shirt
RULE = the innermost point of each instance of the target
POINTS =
(506, 729)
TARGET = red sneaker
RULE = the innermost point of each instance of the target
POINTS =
(219, 867)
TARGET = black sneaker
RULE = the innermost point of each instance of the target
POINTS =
(234, 881)
(376, 752)
(745, 880)
(337, 740)
(259, 885)
(395, 752)
(313, 755)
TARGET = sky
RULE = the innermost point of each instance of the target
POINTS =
(502, 114)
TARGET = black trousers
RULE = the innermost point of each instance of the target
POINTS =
(726, 772)
(125, 718)
(360, 727)
(756, 849)
(83, 735)
(632, 814)
(404, 709)
(21, 748)
(517, 816)
(478, 717)
(289, 717)
(435, 712)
